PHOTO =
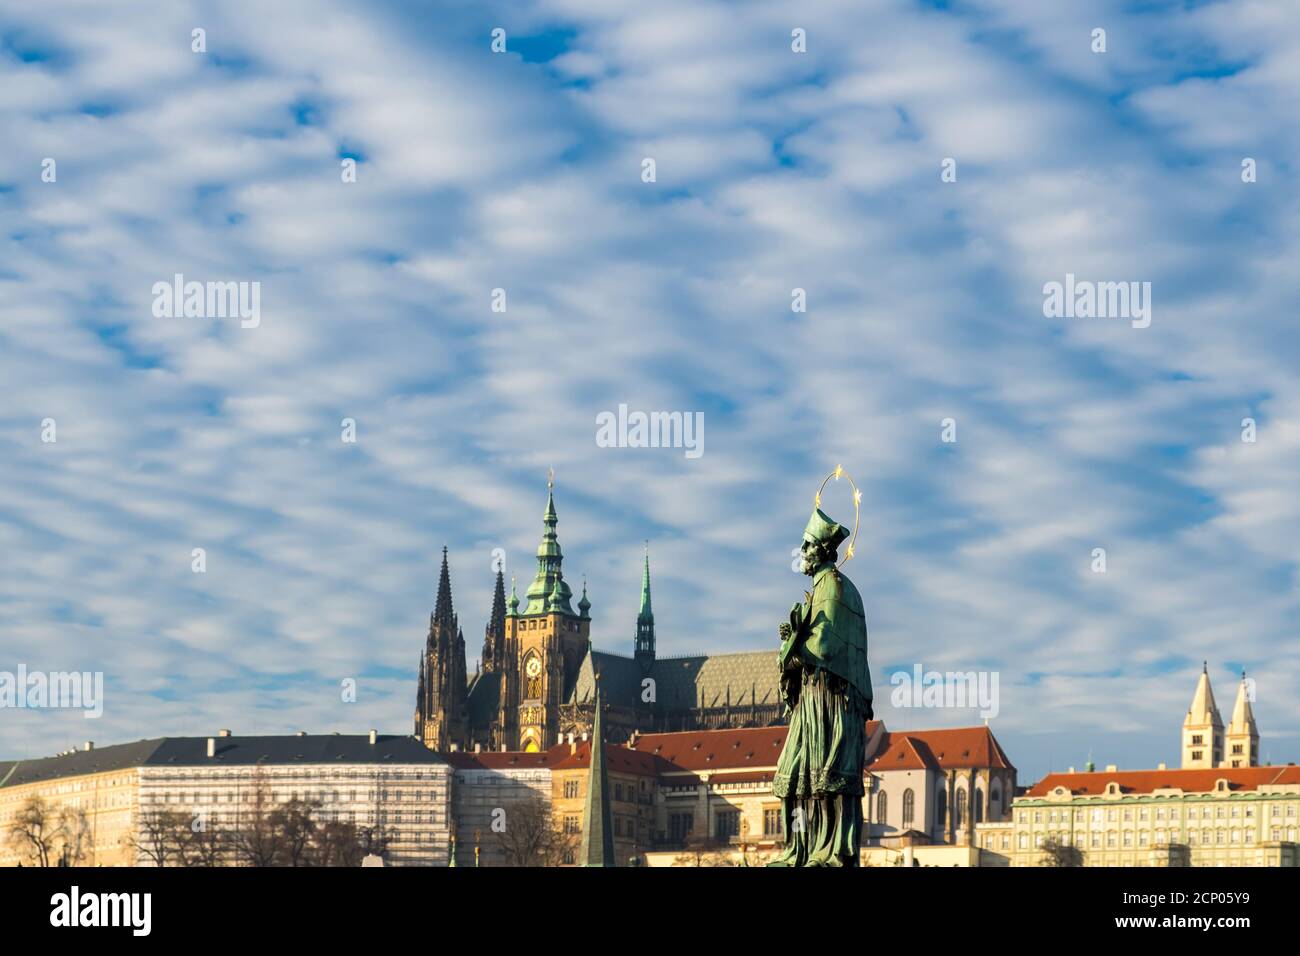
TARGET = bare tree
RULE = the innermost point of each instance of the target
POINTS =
(256, 840)
(530, 836)
(160, 836)
(1056, 853)
(335, 844)
(205, 845)
(704, 850)
(35, 831)
(292, 822)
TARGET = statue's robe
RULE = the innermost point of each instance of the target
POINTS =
(826, 684)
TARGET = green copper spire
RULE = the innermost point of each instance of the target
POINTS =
(645, 621)
(584, 606)
(597, 829)
(548, 592)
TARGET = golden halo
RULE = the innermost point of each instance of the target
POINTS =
(837, 474)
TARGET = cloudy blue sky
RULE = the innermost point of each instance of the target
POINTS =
(775, 171)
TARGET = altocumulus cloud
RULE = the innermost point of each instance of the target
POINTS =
(775, 171)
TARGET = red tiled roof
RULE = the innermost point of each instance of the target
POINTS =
(902, 752)
(617, 758)
(710, 750)
(1145, 781)
(949, 748)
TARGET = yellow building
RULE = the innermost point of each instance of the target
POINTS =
(633, 789)
(1227, 816)
(90, 798)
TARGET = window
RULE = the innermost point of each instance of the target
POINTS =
(726, 824)
(772, 821)
(570, 789)
(959, 813)
(680, 826)
(572, 823)
(909, 806)
(940, 809)
(882, 807)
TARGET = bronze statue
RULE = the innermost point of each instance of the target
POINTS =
(826, 684)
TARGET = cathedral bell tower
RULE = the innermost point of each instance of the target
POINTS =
(440, 712)
(547, 640)
(644, 651)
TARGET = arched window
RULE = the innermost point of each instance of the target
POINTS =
(909, 806)
(940, 809)
(882, 807)
(979, 805)
(959, 811)
(995, 800)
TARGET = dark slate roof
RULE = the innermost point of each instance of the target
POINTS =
(681, 682)
(14, 773)
(230, 751)
(484, 698)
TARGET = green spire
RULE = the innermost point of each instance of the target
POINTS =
(597, 829)
(584, 606)
(644, 648)
(645, 613)
(548, 592)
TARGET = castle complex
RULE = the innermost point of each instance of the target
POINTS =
(536, 681)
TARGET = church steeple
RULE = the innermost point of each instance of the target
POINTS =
(441, 688)
(548, 592)
(597, 829)
(1202, 727)
(645, 620)
(1242, 739)
(494, 638)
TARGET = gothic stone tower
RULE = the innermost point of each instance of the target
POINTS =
(644, 648)
(545, 645)
(440, 713)
(1203, 728)
(1242, 738)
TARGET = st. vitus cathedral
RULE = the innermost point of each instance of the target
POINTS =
(536, 682)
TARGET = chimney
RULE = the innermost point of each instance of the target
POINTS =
(300, 733)
(478, 748)
(374, 737)
(570, 738)
(455, 748)
(561, 740)
(584, 736)
(1161, 766)
(212, 746)
(90, 745)
(1111, 768)
(1071, 770)
(503, 748)
(223, 733)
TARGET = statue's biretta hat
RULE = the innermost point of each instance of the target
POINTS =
(822, 529)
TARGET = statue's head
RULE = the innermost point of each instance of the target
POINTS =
(821, 541)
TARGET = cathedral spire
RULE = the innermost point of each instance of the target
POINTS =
(597, 829)
(548, 592)
(494, 639)
(443, 612)
(645, 620)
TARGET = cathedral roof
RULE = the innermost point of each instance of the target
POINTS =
(484, 698)
(681, 682)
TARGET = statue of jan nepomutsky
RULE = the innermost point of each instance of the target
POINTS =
(826, 684)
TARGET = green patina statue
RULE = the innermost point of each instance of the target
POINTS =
(826, 684)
